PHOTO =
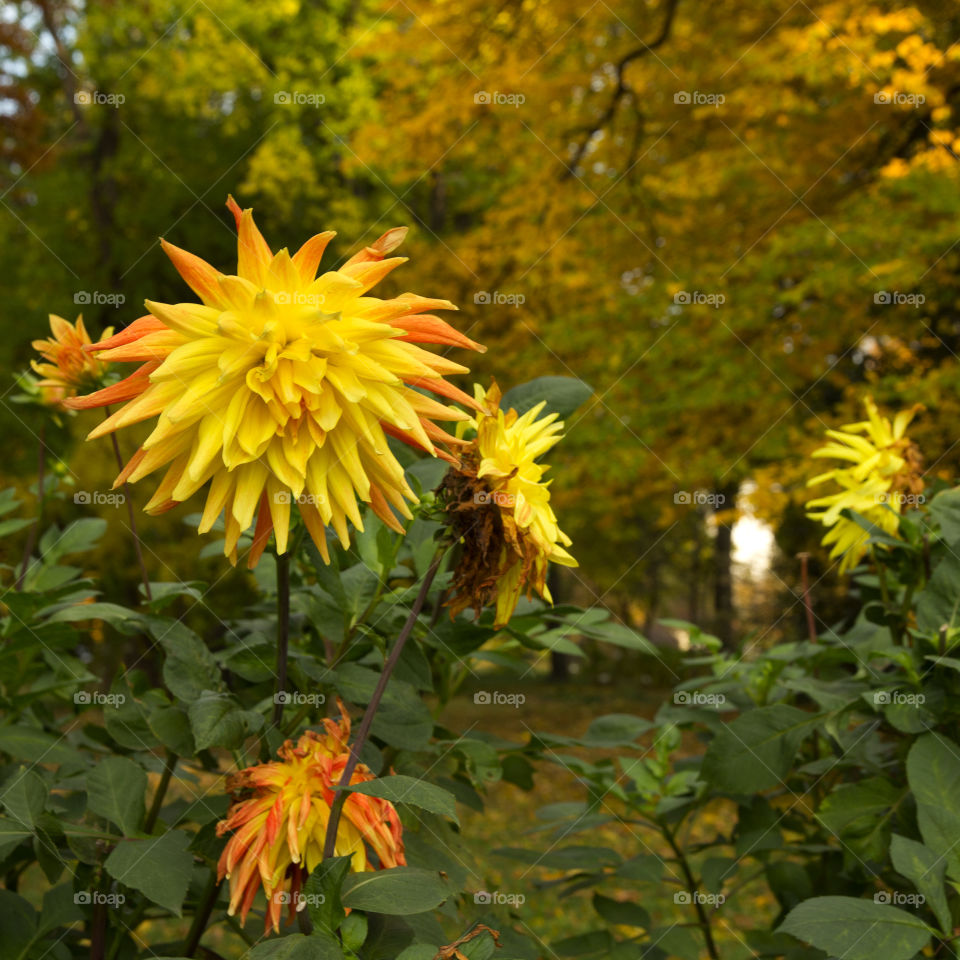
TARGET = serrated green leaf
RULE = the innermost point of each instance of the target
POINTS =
(756, 751)
(159, 867)
(116, 788)
(857, 929)
(24, 796)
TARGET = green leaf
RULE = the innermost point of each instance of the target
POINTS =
(13, 525)
(322, 891)
(397, 892)
(189, 668)
(933, 772)
(419, 793)
(564, 858)
(124, 620)
(860, 813)
(938, 603)
(562, 395)
(403, 720)
(646, 867)
(621, 912)
(76, 537)
(418, 951)
(716, 871)
(925, 870)
(59, 908)
(217, 720)
(945, 507)
(12, 833)
(19, 925)
(171, 726)
(354, 931)
(584, 944)
(296, 946)
(35, 746)
(857, 929)
(115, 790)
(615, 730)
(24, 796)
(756, 751)
(159, 868)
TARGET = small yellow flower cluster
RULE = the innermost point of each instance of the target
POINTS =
(882, 478)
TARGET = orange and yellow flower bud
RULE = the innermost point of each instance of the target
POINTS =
(280, 389)
(278, 822)
(68, 368)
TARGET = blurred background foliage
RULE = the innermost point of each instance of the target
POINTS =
(731, 220)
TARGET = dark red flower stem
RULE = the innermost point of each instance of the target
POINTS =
(283, 634)
(363, 733)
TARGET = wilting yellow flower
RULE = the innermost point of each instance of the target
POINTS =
(279, 822)
(500, 509)
(281, 388)
(68, 368)
(884, 478)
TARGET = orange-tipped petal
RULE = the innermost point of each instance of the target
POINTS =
(382, 509)
(127, 389)
(253, 253)
(131, 465)
(261, 533)
(429, 329)
(308, 257)
(199, 275)
(132, 332)
(440, 386)
(369, 273)
(386, 243)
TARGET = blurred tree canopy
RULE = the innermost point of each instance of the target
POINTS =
(732, 220)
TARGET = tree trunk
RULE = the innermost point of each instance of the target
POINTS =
(723, 610)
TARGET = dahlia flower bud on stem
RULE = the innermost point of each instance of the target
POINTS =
(363, 733)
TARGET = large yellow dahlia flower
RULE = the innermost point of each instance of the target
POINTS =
(884, 477)
(281, 387)
(500, 508)
(279, 819)
(68, 369)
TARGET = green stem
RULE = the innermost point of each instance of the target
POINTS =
(154, 812)
(363, 732)
(694, 891)
(98, 922)
(301, 715)
(885, 594)
(135, 919)
(200, 919)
